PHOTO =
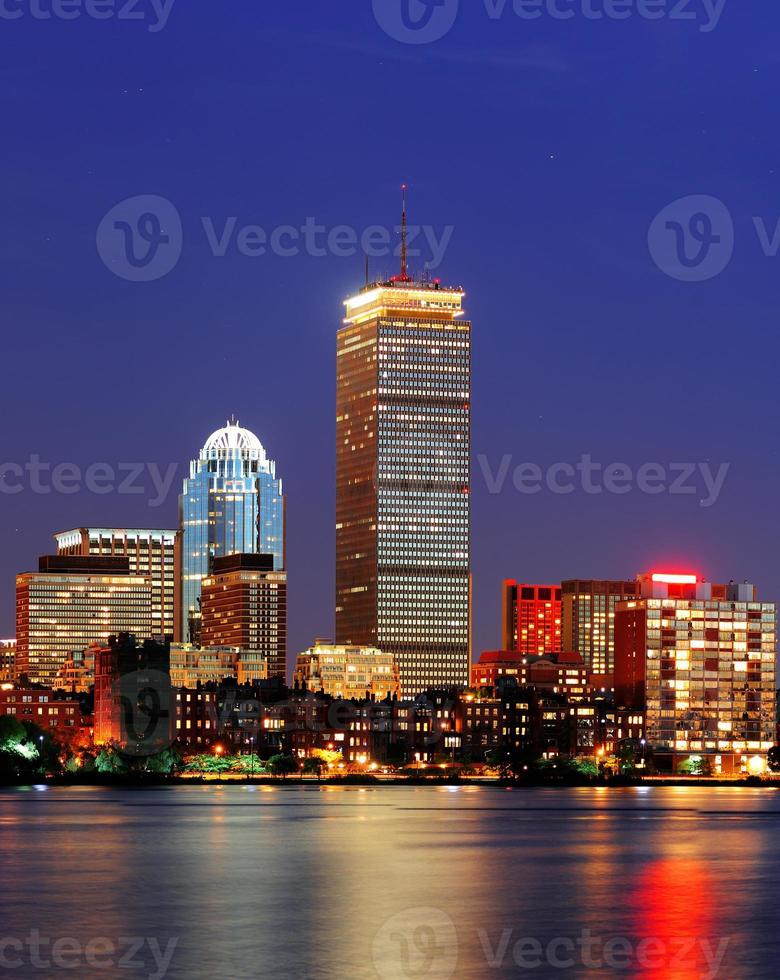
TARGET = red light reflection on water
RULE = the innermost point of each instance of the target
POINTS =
(676, 921)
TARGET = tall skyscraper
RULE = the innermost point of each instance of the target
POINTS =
(531, 618)
(245, 605)
(72, 602)
(699, 661)
(588, 620)
(150, 552)
(232, 503)
(403, 425)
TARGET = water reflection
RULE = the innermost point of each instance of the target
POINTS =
(428, 882)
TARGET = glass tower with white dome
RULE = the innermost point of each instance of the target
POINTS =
(232, 503)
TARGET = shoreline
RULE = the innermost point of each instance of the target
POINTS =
(159, 782)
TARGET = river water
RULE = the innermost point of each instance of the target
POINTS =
(396, 882)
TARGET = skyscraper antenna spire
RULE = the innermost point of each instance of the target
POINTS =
(404, 238)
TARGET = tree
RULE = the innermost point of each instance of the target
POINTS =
(209, 763)
(584, 766)
(313, 766)
(248, 764)
(47, 748)
(510, 762)
(109, 762)
(26, 750)
(627, 753)
(12, 732)
(328, 757)
(282, 765)
(165, 763)
(696, 766)
(773, 758)
(397, 754)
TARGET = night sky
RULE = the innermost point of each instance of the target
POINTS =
(549, 146)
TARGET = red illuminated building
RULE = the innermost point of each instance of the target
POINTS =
(531, 618)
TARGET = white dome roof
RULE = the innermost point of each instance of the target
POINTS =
(233, 436)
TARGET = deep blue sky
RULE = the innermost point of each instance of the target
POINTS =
(549, 146)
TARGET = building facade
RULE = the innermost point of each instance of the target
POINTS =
(244, 605)
(403, 479)
(7, 660)
(41, 707)
(563, 673)
(485, 723)
(531, 618)
(588, 620)
(134, 708)
(72, 602)
(191, 665)
(196, 717)
(348, 672)
(699, 661)
(232, 503)
(77, 674)
(151, 553)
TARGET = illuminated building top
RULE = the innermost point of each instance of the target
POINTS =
(403, 297)
(233, 438)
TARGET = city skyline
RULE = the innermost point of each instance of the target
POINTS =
(492, 482)
(66, 543)
(584, 346)
(390, 472)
